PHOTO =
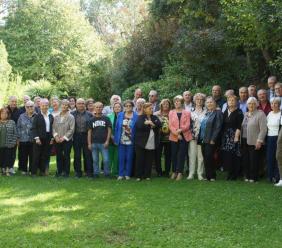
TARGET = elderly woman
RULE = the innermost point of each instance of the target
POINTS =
(180, 135)
(273, 126)
(253, 132)
(24, 127)
(209, 133)
(55, 106)
(232, 121)
(124, 138)
(109, 109)
(90, 105)
(146, 141)
(164, 147)
(8, 141)
(196, 159)
(113, 149)
(139, 106)
(63, 130)
(279, 156)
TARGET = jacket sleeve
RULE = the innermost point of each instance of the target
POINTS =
(187, 127)
(218, 120)
(19, 126)
(69, 134)
(34, 129)
(117, 130)
(157, 122)
(262, 127)
(140, 124)
(170, 124)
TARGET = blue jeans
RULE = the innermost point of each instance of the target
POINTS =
(96, 149)
(125, 160)
(272, 166)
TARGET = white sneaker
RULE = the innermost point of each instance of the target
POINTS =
(212, 180)
(251, 181)
(190, 177)
(279, 184)
(246, 180)
(127, 178)
(119, 178)
(12, 171)
(200, 178)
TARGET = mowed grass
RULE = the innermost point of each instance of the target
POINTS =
(50, 212)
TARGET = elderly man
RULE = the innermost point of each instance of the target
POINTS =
(188, 100)
(82, 118)
(271, 81)
(264, 104)
(137, 95)
(153, 98)
(42, 135)
(243, 95)
(278, 92)
(26, 98)
(36, 101)
(216, 94)
(109, 109)
(252, 91)
(13, 108)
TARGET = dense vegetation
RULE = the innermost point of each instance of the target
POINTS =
(97, 47)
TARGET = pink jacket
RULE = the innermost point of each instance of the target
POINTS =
(184, 125)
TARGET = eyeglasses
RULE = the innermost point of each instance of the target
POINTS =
(128, 106)
(29, 106)
(151, 95)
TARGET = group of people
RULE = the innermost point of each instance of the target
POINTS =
(192, 134)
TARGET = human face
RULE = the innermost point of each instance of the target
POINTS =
(26, 99)
(65, 107)
(278, 90)
(199, 101)
(165, 106)
(29, 108)
(275, 106)
(152, 98)
(139, 105)
(243, 94)
(211, 105)
(115, 99)
(4, 115)
(252, 106)
(72, 103)
(138, 94)
(90, 106)
(55, 105)
(216, 91)
(187, 96)
(80, 105)
(128, 107)
(148, 110)
(98, 109)
(262, 97)
(13, 103)
(231, 102)
(44, 107)
(252, 91)
(117, 108)
(271, 83)
(178, 104)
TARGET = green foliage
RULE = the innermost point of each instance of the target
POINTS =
(51, 39)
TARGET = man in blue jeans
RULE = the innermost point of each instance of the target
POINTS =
(99, 133)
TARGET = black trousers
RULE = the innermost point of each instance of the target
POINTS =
(178, 155)
(208, 151)
(144, 161)
(63, 157)
(41, 154)
(230, 164)
(7, 157)
(164, 147)
(25, 156)
(81, 148)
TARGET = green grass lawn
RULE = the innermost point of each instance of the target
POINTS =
(50, 212)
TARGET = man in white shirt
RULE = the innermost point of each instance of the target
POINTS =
(188, 100)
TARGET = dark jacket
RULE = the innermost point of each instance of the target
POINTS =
(14, 114)
(213, 127)
(142, 131)
(88, 117)
(39, 126)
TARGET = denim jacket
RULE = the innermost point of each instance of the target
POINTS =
(24, 127)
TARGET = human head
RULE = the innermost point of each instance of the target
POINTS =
(26, 98)
(29, 107)
(137, 94)
(114, 99)
(90, 104)
(80, 104)
(243, 94)
(275, 104)
(72, 102)
(210, 103)
(36, 101)
(229, 92)
(55, 102)
(262, 95)
(98, 108)
(128, 106)
(252, 103)
(148, 108)
(271, 81)
(232, 101)
(153, 96)
(178, 102)
(4, 114)
(65, 104)
(187, 96)
(44, 105)
(216, 91)
(252, 90)
(139, 104)
(13, 102)
(165, 105)
(117, 107)
(199, 99)
(278, 89)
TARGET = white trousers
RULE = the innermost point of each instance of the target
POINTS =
(196, 159)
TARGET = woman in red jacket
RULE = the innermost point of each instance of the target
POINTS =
(180, 135)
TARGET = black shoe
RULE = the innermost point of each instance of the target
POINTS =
(95, 176)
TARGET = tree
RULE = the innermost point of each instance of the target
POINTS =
(51, 39)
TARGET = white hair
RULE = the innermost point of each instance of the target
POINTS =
(29, 103)
(112, 99)
(252, 99)
(276, 99)
(199, 95)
